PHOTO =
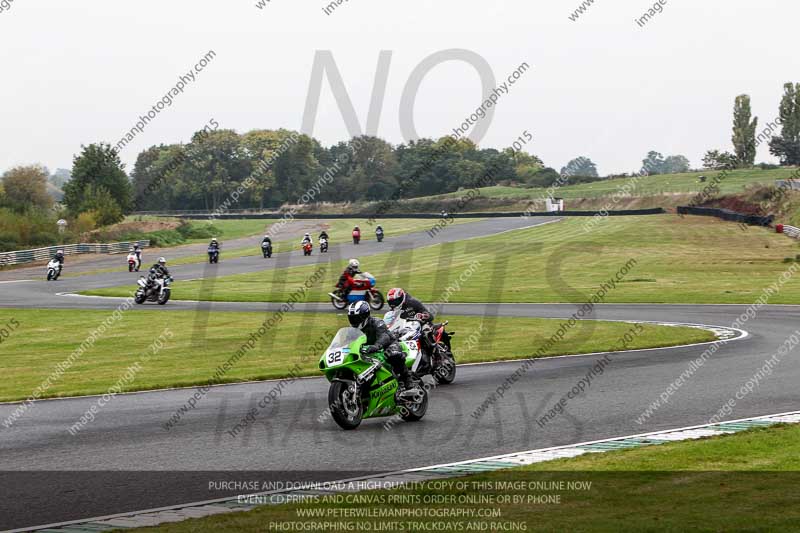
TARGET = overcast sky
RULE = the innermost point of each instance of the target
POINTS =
(83, 71)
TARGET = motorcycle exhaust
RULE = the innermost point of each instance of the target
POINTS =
(368, 374)
(335, 297)
(414, 395)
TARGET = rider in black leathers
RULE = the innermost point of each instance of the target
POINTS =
(159, 270)
(268, 248)
(380, 338)
(412, 309)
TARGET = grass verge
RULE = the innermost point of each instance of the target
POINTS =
(676, 260)
(200, 342)
(734, 182)
(741, 482)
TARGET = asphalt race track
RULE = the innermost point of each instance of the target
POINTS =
(126, 460)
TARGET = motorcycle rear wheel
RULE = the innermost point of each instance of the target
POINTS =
(140, 298)
(338, 398)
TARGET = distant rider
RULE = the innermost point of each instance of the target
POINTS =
(347, 280)
(356, 235)
(60, 258)
(380, 338)
(268, 242)
(159, 270)
(138, 251)
(137, 258)
(214, 244)
(379, 232)
(323, 235)
(307, 239)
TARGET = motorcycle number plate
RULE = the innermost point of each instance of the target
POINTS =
(335, 358)
(413, 350)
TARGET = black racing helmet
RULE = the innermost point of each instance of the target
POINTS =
(358, 314)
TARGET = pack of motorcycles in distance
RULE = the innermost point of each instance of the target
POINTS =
(363, 382)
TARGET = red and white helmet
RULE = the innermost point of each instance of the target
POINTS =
(396, 298)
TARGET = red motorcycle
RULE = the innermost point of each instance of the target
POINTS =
(356, 235)
(307, 247)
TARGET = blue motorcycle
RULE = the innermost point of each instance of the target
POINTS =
(363, 290)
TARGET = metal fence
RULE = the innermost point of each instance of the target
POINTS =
(788, 184)
(40, 254)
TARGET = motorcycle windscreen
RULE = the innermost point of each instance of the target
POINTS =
(344, 338)
(367, 276)
(392, 319)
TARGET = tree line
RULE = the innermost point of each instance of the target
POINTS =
(746, 138)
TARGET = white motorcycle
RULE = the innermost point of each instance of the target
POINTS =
(323, 245)
(441, 364)
(53, 270)
(133, 262)
(156, 290)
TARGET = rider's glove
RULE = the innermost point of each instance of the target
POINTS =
(368, 349)
(422, 316)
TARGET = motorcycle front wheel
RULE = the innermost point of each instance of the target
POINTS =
(339, 303)
(163, 298)
(346, 411)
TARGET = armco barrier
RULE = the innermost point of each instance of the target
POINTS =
(384, 216)
(726, 214)
(40, 254)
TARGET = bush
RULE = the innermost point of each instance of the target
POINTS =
(191, 231)
(8, 242)
(32, 229)
(86, 221)
(160, 239)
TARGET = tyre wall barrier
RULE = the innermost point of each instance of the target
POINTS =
(41, 254)
(791, 231)
(726, 214)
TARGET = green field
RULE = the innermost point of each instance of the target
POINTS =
(741, 482)
(200, 342)
(734, 182)
(677, 260)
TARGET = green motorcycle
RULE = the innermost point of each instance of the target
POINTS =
(363, 386)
